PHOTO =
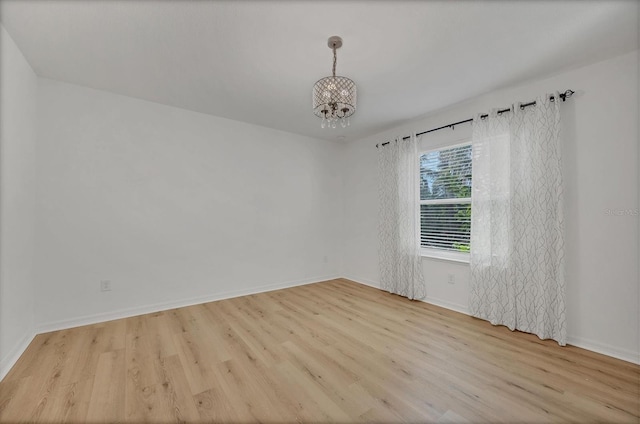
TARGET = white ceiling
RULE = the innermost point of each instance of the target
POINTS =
(256, 61)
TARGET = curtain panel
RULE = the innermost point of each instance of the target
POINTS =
(398, 219)
(517, 237)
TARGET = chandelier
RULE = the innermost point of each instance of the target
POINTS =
(334, 97)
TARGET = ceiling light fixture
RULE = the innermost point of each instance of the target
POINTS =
(334, 97)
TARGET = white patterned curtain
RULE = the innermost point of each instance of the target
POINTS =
(399, 221)
(517, 241)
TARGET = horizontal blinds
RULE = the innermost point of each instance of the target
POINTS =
(446, 226)
(445, 197)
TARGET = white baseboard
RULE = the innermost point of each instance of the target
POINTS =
(614, 352)
(624, 354)
(163, 306)
(14, 354)
(364, 281)
(432, 300)
(447, 305)
(12, 357)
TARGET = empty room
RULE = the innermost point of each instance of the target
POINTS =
(319, 211)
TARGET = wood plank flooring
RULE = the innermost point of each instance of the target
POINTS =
(335, 351)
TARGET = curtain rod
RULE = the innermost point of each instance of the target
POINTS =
(564, 96)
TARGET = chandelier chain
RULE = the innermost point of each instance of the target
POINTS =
(335, 60)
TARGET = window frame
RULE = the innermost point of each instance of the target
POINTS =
(432, 252)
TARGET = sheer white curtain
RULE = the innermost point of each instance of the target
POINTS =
(517, 241)
(399, 221)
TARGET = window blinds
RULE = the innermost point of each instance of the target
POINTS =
(445, 198)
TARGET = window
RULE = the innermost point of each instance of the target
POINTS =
(445, 201)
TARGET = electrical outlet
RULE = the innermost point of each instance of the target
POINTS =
(451, 279)
(105, 285)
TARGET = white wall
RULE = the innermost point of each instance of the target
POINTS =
(173, 207)
(601, 167)
(18, 85)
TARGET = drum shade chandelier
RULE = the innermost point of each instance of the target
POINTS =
(334, 97)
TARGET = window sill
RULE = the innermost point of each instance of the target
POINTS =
(443, 255)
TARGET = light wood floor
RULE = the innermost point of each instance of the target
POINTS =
(334, 351)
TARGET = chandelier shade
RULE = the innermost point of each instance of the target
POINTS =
(334, 97)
